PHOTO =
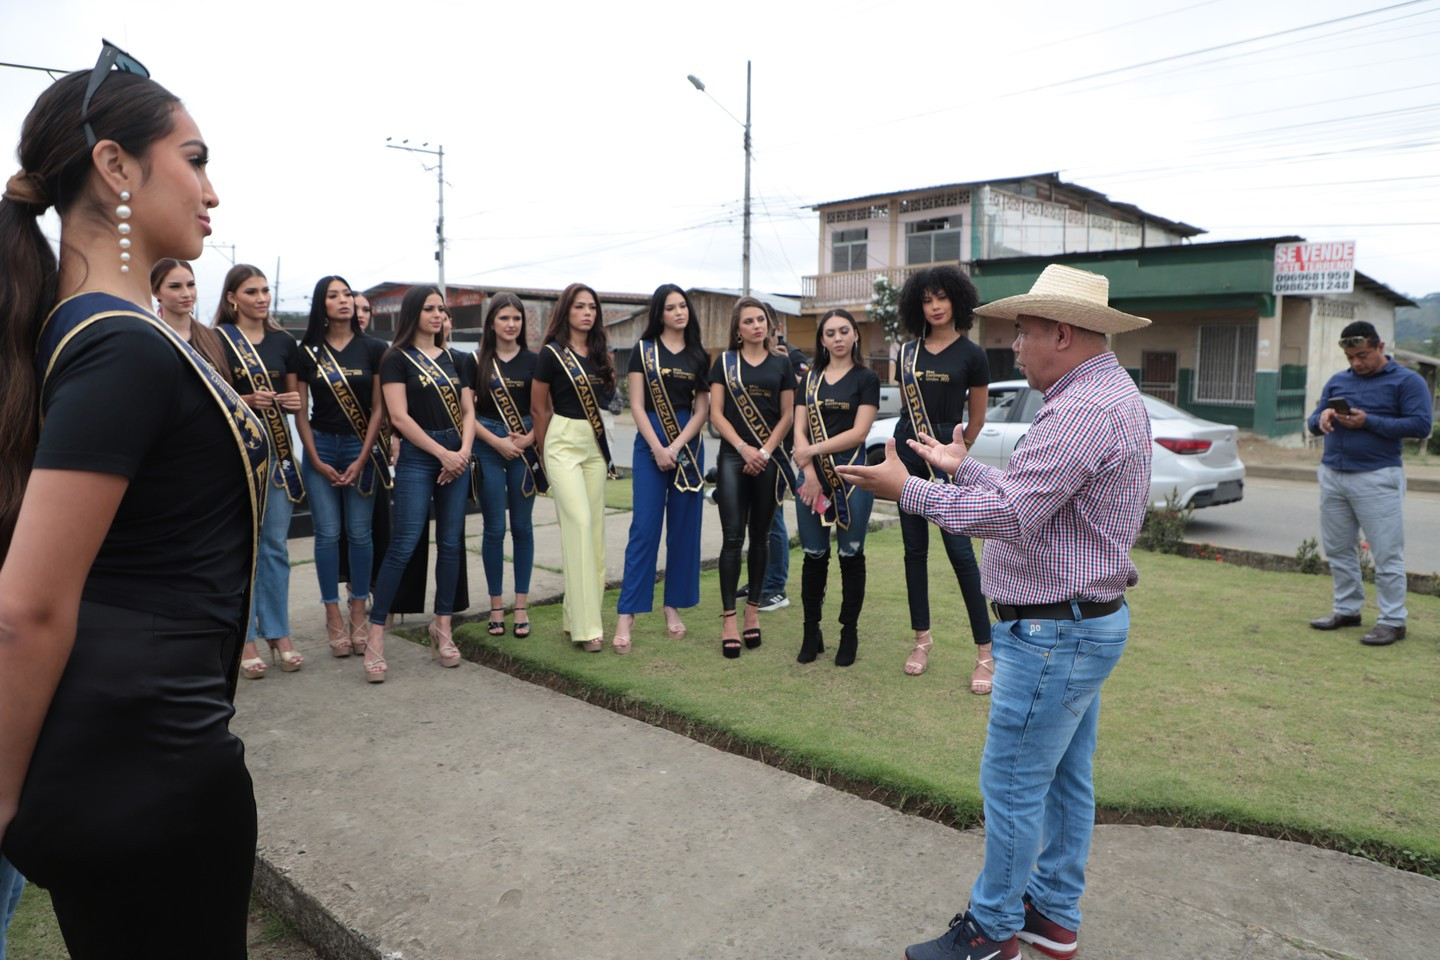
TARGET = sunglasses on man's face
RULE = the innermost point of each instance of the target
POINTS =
(1348, 343)
(110, 56)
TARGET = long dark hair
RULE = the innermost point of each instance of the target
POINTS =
(942, 279)
(205, 340)
(56, 164)
(488, 339)
(225, 312)
(734, 342)
(596, 342)
(822, 355)
(319, 321)
(409, 323)
(656, 324)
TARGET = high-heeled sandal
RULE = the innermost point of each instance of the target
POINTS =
(522, 630)
(496, 626)
(730, 646)
(442, 647)
(676, 631)
(914, 667)
(290, 660)
(981, 686)
(593, 646)
(340, 643)
(751, 634)
(359, 634)
(253, 669)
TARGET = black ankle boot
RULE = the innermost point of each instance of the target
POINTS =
(852, 598)
(812, 597)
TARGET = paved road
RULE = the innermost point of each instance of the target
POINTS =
(1277, 514)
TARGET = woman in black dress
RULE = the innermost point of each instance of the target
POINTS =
(952, 378)
(128, 555)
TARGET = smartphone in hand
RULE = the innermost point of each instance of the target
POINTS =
(1340, 405)
(822, 505)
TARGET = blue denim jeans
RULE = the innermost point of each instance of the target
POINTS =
(416, 476)
(501, 491)
(777, 571)
(815, 536)
(11, 886)
(1036, 771)
(339, 452)
(270, 619)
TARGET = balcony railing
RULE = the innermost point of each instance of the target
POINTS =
(854, 288)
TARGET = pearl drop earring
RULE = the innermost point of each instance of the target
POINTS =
(123, 212)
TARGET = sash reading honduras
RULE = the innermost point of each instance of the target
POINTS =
(434, 375)
(376, 466)
(581, 382)
(914, 402)
(283, 473)
(687, 469)
(534, 480)
(754, 423)
(79, 312)
(838, 513)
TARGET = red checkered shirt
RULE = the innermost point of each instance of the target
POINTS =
(1062, 518)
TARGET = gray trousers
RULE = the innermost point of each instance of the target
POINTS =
(1372, 500)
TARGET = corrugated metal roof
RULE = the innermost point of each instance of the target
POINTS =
(790, 306)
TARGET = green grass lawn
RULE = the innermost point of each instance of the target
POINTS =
(1226, 710)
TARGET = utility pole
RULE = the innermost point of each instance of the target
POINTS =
(439, 153)
(698, 84)
(222, 247)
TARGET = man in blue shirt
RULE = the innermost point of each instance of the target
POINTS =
(1364, 413)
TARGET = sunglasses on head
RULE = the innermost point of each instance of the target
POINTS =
(1349, 342)
(110, 56)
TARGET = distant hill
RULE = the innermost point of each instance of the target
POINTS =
(1413, 325)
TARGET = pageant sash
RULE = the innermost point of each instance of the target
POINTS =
(755, 424)
(433, 375)
(588, 401)
(914, 402)
(535, 480)
(838, 513)
(687, 470)
(283, 473)
(79, 312)
(330, 369)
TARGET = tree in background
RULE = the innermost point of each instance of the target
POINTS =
(884, 309)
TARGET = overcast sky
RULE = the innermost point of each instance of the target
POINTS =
(576, 150)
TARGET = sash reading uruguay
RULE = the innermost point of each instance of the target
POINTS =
(534, 480)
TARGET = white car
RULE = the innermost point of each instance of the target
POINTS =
(1198, 460)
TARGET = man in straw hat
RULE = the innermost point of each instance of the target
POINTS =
(1060, 521)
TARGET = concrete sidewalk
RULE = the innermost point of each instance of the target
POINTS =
(466, 814)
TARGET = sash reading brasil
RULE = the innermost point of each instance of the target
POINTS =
(755, 424)
(535, 480)
(687, 470)
(79, 312)
(284, 473)
(433, 375)
(838, 514)
(914, 402)
(581, 382)
(377, 466)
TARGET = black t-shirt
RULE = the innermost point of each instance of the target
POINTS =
(562, 391)
(945, 380)
(121, 400)
(359, 361)
(279, 355)
(682, 375)
(764, 383)
(422, 401)
(840, 402)
(517, 373)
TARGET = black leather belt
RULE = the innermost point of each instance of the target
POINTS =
(1089, 610)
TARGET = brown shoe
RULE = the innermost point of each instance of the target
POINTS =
(1335, 621)
(1382, 635)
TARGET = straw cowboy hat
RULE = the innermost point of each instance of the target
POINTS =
(1067, 295)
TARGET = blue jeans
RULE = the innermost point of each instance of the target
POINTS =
(270, 615)
(1372, 500)
(658, 503)
(815, 536)
(416, 476)
(11, 886)
(777, 571)
(339, 452)
(1036, 771)
(501, 490)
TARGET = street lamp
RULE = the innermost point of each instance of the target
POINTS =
(440, 221)
(698, 85)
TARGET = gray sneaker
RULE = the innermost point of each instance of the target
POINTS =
(776, 601)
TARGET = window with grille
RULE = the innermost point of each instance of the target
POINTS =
(1225, 366)
(933, 241)
(847, 249)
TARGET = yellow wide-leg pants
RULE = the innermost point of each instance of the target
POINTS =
(577, 483)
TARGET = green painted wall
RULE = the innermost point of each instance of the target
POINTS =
(1239, 416)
